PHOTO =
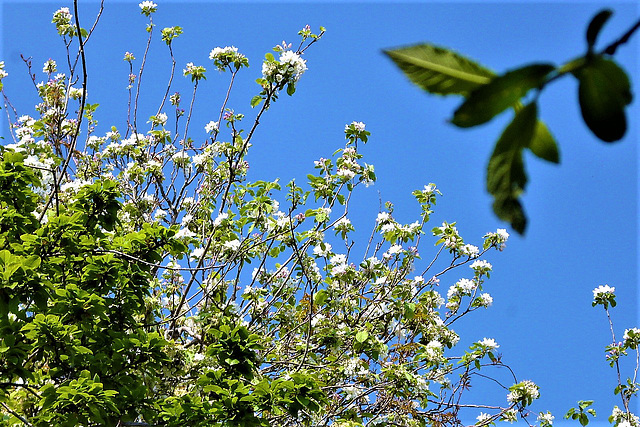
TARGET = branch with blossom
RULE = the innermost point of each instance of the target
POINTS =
(224, 300)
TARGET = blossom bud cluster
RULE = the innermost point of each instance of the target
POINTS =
(497, 239)
(545, 419)
(62, 19)
(195, 71)
(3, 72)
(623, 419)
(147, 7)
(287, 69)
(525, 392)
(224, 57)
(604, 295)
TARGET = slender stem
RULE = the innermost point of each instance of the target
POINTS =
(83, 99)
(144, 60)
(611, 49)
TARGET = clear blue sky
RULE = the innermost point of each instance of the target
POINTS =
(583, 214)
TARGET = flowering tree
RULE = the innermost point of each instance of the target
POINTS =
(145, 281)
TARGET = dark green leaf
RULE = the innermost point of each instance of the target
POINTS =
(506, 177)
(543, 144)
(510, 209)
(438, 70)
(501, 93)
(596, 25)
(603, 93)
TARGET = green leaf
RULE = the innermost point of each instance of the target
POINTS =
(320, 297)
(595, 26)
(506, 177)
(543, 144)
(362, 336)
(439, 70)
(604, 91)
(501, 93)
(255, 101)
(510, 209)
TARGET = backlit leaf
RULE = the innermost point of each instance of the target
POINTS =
(439, 70)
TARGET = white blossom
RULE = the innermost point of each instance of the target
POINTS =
(545, 418)
(232, 245)
(482, 418)
(211, 127)
(159, 215)
(196, 254)
(220, 218)
(489, 343)
(602, 290)
(320, 251)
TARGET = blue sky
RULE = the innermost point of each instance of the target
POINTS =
(583, 214)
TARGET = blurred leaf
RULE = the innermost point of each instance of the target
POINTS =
(543, 144)
(603, 93)
(506, 177)
(501, 93)
(595, 26)
(440, 71)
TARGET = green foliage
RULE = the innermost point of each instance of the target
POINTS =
(604, 92)
(500, 93)
(144, 280)
(582, 412)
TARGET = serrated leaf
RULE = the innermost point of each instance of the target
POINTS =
(603, 92)
(439, 70)
(543, 145)
(595, 26)
(499, 94)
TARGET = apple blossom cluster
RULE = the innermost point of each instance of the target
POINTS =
(545, 419)
(62, 19)
(604, 295)
(523, 393)
(287, 69)
(224, 57)
(50, 67)
(212, 127)
(498, 238)
(3, 72)
(356, 131)
(622, 418)
(147, 7)
(195, 71)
